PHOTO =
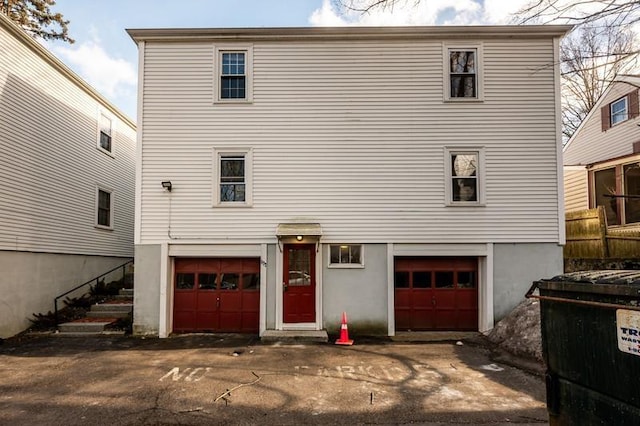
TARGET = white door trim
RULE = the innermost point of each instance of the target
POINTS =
(280, 324)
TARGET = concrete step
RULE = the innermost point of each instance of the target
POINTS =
(108, 314)
(295, 336)
(85, 327)
(126, 292)
(88, 334)
(122, 297)
(112, 307)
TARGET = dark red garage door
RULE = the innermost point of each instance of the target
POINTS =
(436, 293)
(216, 295)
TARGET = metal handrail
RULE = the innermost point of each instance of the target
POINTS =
(96, 279)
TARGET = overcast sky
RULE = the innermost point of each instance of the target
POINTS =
(106, 57)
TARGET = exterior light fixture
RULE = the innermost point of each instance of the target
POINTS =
(166, 184)
(299, 237)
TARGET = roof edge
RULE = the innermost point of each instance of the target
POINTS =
(57, 64)
(351, 32)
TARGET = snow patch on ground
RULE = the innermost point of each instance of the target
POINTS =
(519, 332)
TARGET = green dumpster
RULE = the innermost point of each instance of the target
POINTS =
(591, 344)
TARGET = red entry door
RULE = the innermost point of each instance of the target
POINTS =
(299, 287)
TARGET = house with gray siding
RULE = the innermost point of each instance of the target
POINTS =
(408, 176)
(67, 166)
(602, 158)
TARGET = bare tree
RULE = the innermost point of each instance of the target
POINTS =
(591, 57)
(601, 46)
(617, 13)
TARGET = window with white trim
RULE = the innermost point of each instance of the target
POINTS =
(233, 74)
(462, 72)
(464, 176)
(346, 255)
(105, 133)
(619, 111)
(104, 208)
(232, 177)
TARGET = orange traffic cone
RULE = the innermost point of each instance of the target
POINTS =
(344, 332)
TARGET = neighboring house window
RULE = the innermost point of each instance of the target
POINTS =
(234, 74)
(232, 177)
(104, 209)
(464, 176)
(617, 189)
(105, 133)
(345, 255)
(462, 73)
(620, 110)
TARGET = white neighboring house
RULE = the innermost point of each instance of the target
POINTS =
(410, 176)
(67, 173)
(602, 158)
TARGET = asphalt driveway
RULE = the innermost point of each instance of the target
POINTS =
(222, 379)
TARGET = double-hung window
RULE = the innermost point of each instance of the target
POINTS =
(232, 177)
(462, 72)
(619, 111)
(233, 74)
(233, 79)
(104, 208)
(105, 133)
(464, 174)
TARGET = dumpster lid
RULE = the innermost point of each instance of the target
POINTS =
(609, 276)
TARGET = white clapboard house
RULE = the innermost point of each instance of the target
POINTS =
(409, 176)
(67, 176)
(602, 159)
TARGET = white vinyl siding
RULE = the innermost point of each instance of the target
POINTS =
(576, 194)
(591, 144)
(334, 143)
(49, 164)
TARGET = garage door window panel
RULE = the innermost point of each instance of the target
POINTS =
(185, 281)
(251, 281)
(207, 281)
(229, 281)
(444, 279)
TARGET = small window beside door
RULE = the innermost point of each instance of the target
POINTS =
(346, 256)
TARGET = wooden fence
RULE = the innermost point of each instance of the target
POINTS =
(589, 237)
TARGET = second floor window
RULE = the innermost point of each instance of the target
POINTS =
(233, 77)
(619, 111)
(463, 75)
(105, 133)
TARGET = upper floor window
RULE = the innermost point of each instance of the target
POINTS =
(105, 132)
(464, 177)
(232, 177)
(620, 110)
(233, 79)
(233, 73)
(462, 72)
(104, 208)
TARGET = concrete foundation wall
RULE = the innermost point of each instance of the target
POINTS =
(146, 298)
(271, 286)
(30, 281)
(360, 292)
(516, 266)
